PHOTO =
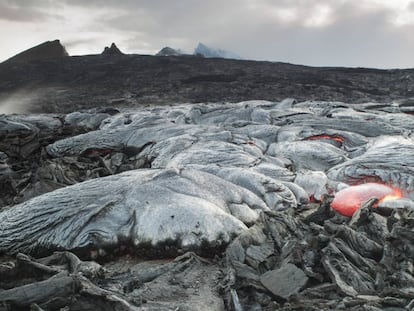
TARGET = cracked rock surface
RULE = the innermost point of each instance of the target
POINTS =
(206, 207)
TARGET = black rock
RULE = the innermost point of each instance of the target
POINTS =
(47, 50)
(113, 50)
(284, 282)
(257, 254)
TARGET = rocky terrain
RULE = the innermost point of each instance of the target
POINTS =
(115, 200)
(71, 83)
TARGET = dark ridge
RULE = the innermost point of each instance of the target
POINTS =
(83, 82)
(46, 50)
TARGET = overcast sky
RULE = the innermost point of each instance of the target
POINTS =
(369, 33)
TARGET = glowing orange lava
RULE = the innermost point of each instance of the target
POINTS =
(397, 195)
(347, 201)
(336, 138)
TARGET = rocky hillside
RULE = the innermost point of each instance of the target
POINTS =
(47, 50)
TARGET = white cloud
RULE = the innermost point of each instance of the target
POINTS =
(321, 16)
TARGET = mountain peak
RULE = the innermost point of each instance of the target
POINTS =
(208, 52)
(45, 50)
(167, 51)
(113, 50)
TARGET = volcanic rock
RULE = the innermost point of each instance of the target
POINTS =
(249, 184)
(284, 282)
(255, 255)
(47, 50)
(63, 280)
(113, 50)
(142, 208)
(313, 155)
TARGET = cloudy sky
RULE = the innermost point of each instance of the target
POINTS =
(369, 33)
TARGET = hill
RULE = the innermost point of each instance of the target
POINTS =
(47, 50)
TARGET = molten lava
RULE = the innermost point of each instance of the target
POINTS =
(334, 138)
(397, 195)
(347, 201)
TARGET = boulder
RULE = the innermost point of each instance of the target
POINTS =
(284, 282)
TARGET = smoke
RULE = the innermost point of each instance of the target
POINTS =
(18, 102)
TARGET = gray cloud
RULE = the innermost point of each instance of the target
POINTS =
(315, 32)
(19, 13)
(28, 10)
(355, 37)
(76, 42)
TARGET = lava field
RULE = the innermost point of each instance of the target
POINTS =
(255, 205)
